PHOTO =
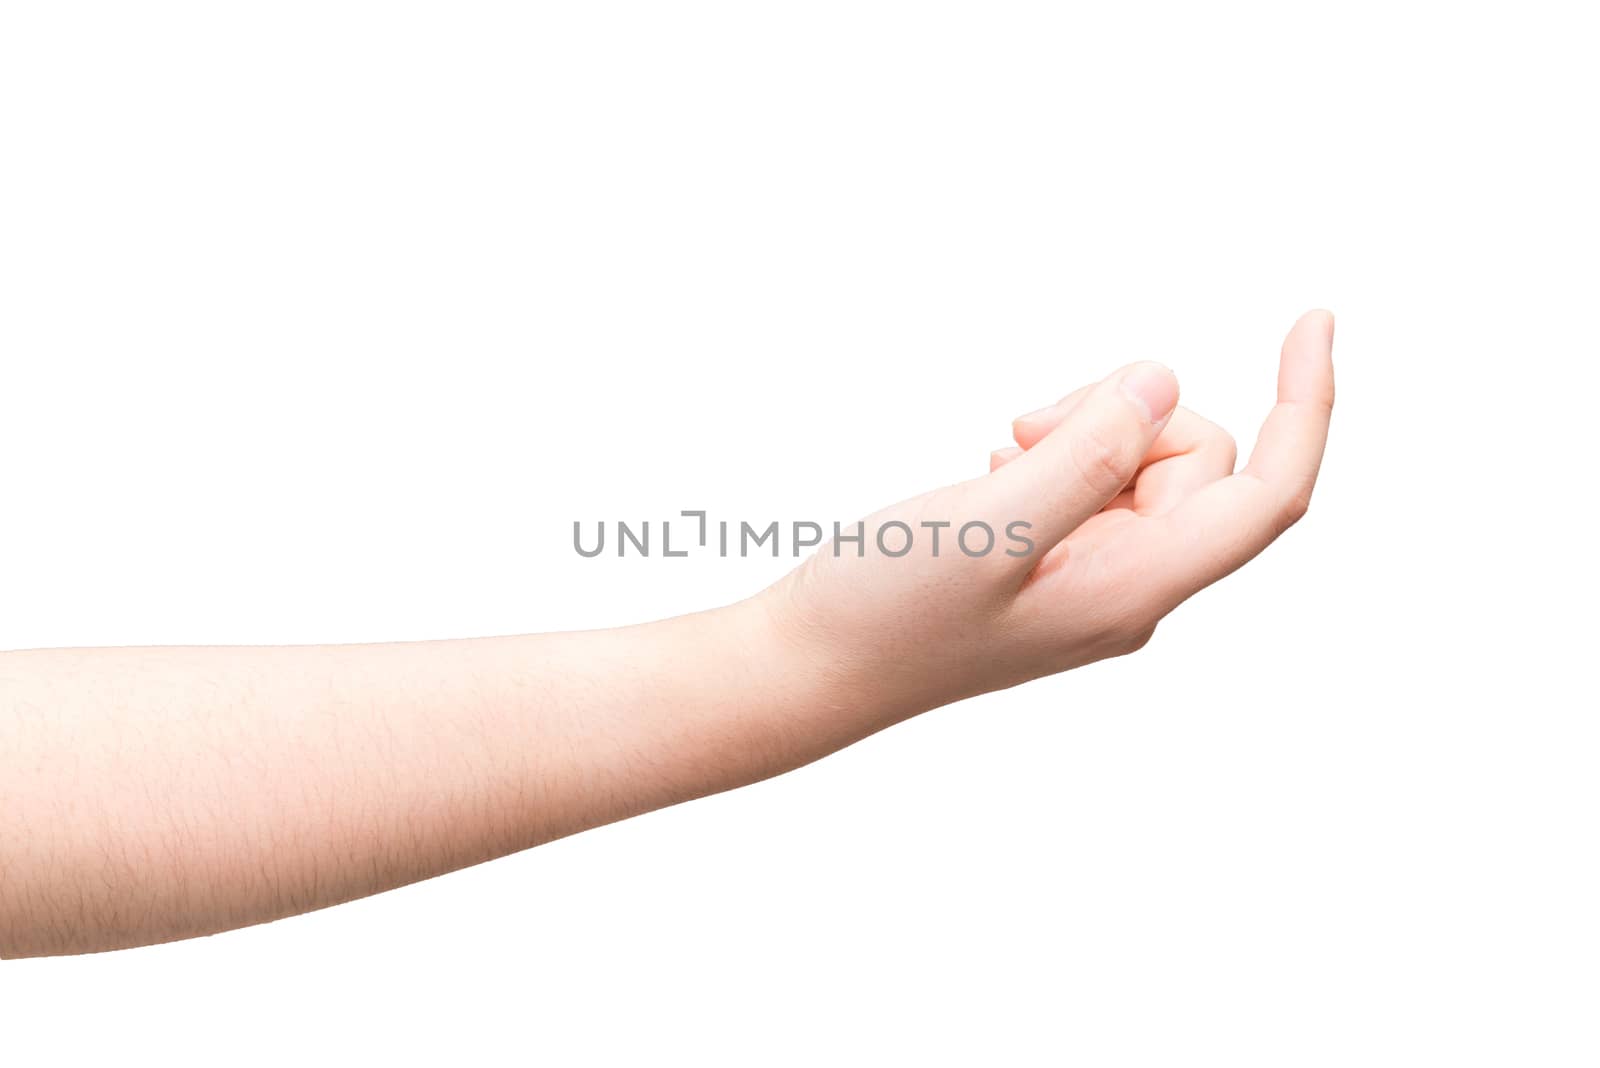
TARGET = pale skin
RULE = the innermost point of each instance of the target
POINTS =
(154, 794)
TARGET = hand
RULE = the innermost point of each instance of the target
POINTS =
(1131, 505)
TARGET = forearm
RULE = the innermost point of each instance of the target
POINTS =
(152, 794)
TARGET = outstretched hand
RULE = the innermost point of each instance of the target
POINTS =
(1129, 504)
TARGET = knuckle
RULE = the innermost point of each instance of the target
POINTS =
(1215, 439)
(1295, 506)
(1138, 641)
(1100, 462)
(1229, 449)
(1122, 633)
(1123, 637)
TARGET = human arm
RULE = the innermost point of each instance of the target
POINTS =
(153, 794)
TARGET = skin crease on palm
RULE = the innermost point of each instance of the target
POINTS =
(161, 793)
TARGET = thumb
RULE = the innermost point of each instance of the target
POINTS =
(1087, 460)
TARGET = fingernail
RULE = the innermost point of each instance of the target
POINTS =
(1033, 417)
(1153, 388)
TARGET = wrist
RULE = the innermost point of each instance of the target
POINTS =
(834, 689)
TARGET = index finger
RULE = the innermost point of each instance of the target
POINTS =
(1288, 451)
(1225, 524)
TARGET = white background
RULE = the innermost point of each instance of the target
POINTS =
(324, 321)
